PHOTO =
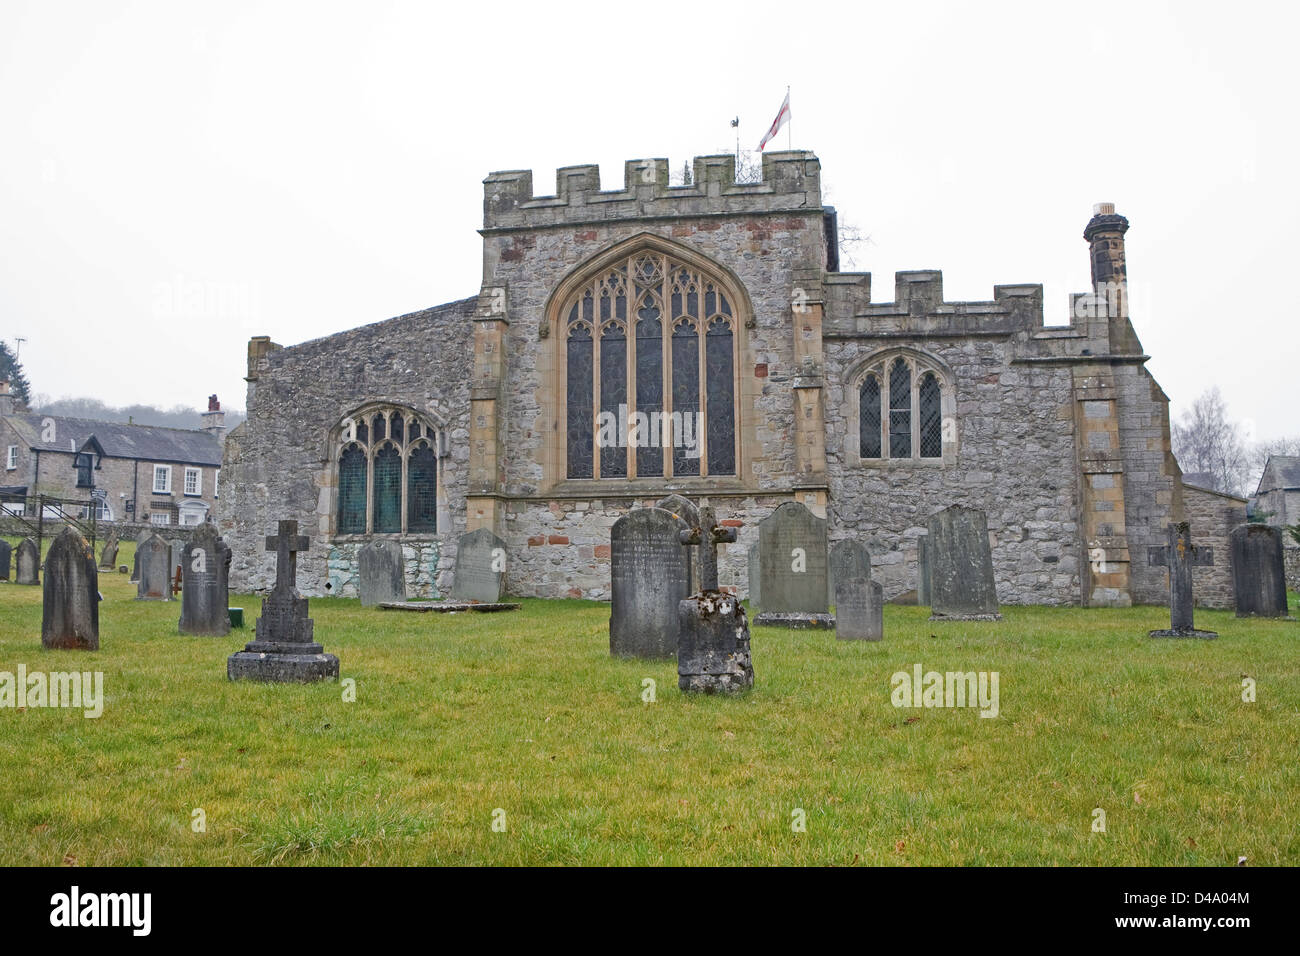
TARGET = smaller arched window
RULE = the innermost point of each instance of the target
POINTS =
(388, 466)
(901, 407)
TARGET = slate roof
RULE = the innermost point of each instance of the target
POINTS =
(142, 442)
(1282, 472)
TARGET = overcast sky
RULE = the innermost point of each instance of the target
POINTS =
(177, 177)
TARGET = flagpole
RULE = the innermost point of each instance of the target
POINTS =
(789, 124)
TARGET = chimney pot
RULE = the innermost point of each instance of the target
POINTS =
(1104, 209)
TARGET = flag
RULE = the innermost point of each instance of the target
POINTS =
(782, 118)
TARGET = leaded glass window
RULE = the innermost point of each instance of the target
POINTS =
(931, 417)
(675, 381)
(352, 491)
(388, 491)
(900, 408)
(387, 485)
(869, 417)
(422, 490)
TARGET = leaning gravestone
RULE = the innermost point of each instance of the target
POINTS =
(205, 588)
(859, 603)
(108, 560)
(792, 568)
(27, 563)
(6, 555)
(382, 573)
(1258, 571)
(961, 566)
(713, 632)
(70, 613)
(154, 565)
(480, 567)
(285, 650)
(649, 578)
(1180, 556)
(923, 569)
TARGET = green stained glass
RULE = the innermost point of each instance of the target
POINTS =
(388, 491)
(352, 492)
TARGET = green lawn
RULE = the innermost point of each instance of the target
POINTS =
(457, 716)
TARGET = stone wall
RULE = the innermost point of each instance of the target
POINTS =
(1291, 558)
(1213, 515)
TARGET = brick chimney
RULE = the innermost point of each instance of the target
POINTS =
(6, 399)
(1105, 236)
(214, 419)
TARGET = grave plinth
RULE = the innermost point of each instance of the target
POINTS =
(712, 630)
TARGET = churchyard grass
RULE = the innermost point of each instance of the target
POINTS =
(457, 716)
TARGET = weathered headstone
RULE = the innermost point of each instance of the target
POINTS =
(205, 589)
(961, 581)
(859, 602)
(480, 567)
(381, 573)
(140, 539)
(175, 554)
(713, 632)
(792, 568)
(153, 567)
(1258, 571)
(6, 555)
(27, 563)
(687, 512)
(755, 580)
(70, 611)
(285, 650)
(649, 578)
(923, 569)
(108, 559)
(1180, 556)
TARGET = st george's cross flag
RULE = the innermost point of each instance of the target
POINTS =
(782, 118)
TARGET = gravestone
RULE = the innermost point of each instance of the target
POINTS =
(205, 589)
(381, 575)
(6, 555)
(923, 569)
(108, 559)
(285, 650)
(27, 563)
(175, 554)
(140, 539)
(1258, 571)
(689, 514)
(713, 632)
(1180, 556)
(649, 578)
(859, 602)
(755, 580)
(153, 565)
(480, 567)
(793, 568)
(961, 566)
(70, 612)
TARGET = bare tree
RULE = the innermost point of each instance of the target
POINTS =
(1206, 442)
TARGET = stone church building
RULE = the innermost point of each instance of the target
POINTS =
(701, 339)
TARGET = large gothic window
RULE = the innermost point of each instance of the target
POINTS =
(650, 365)
(387, 473)
(901, 399)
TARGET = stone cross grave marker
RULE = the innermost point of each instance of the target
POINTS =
(686, 511)
(961, 566)
(154, 564)
(205, 590)
(649, 578)
(70, 611)
(1180, 556)
(480, 567)
(285, 650)
(6, 555)
(713, 633)
(793, 568)
(381, 573)
(859, 602)
(27, 563)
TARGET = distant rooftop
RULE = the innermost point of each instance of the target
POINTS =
(144, 442)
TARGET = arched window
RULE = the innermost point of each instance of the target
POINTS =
(654, 390)
(387, 473)
(901, 401)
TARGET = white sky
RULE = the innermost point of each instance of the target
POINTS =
(308, 168)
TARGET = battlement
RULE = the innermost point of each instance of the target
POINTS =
(791, 183)
(919, 307)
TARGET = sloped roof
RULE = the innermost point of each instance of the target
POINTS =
(144, 442)
(1281, 472)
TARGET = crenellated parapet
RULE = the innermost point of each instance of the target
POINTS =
(791, 183)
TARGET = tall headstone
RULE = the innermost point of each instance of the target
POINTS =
(713, 633)
(140, 539)
(381, 574)
(1180, 556)
(687, 512)
(859, 602)
(70, 611)
(961, 566)
(27, 563)
(6, 556)
(205, 588)
(154, 570)
(923, 569)
(285, 650)
(755, 580)
(649, 578)
(1258, 571)
(793, 568)
(108, 559)
(480, 567)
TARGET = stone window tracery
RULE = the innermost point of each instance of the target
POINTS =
(901, 399)
(387, 472)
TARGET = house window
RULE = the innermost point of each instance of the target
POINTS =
(160, 517)
(901, 400)
(216, 483)
(162, 479)
(387, 473)
(84, 463)
(11, 458)
(650, 372)
(193, 481)
(100, 509)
